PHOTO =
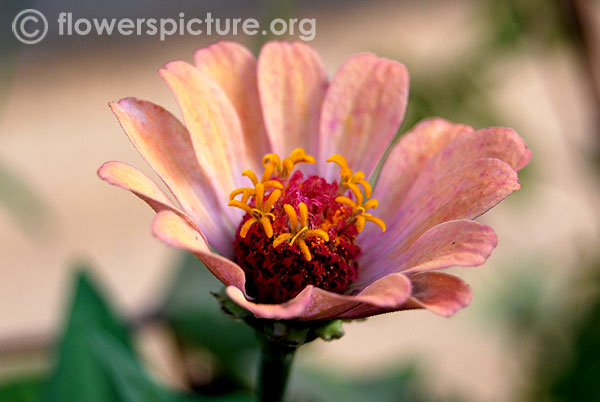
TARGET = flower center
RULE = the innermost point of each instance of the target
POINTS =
(300, 231)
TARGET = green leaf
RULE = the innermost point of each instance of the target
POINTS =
(195, 316)
(78, 377)
(96, 360)
(132, 383)
(26, 389)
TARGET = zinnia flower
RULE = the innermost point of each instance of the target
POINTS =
(273, 173)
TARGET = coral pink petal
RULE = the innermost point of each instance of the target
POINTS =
(463, 193)
(291, 82)
(289, 310)
(214, 128)
(493, 142)
(455, 243)
(382, 296)
(499, 143)
(129, 178)
(166, 145)
(312, 303)
(438, 292)
(362, 111)
(445, 147)
(406, 161)
(233, 68)
(171, 229)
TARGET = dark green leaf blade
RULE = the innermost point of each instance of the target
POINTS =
(132, 384)
(25, 389)
(77, 376)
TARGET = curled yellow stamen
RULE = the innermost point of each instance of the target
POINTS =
(345, 171)
(273, 164)
(299, 230)
(245, 191)
(292, 217)
(360, 213)
(304, 229)
(359, 178)
(251, 175)
(270, 162)
(261, 213)
(351, 181)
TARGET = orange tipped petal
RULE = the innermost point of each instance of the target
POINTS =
(214, 128)
(362, 111)
(166, 145)
(233, 68)
(291, 83)
(129, 178)
(174, 231)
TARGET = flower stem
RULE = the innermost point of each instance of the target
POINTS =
(275, 363)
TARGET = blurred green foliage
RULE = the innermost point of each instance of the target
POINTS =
(22, 202)
(512, 21)
(567, 363)
(196, 320)
(96, 361)
(26, 389)
(17, 197)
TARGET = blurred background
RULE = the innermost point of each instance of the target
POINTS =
(532, 332)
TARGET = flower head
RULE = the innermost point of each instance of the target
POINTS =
(315, 236)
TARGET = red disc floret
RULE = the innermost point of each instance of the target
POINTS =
(277, 274)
